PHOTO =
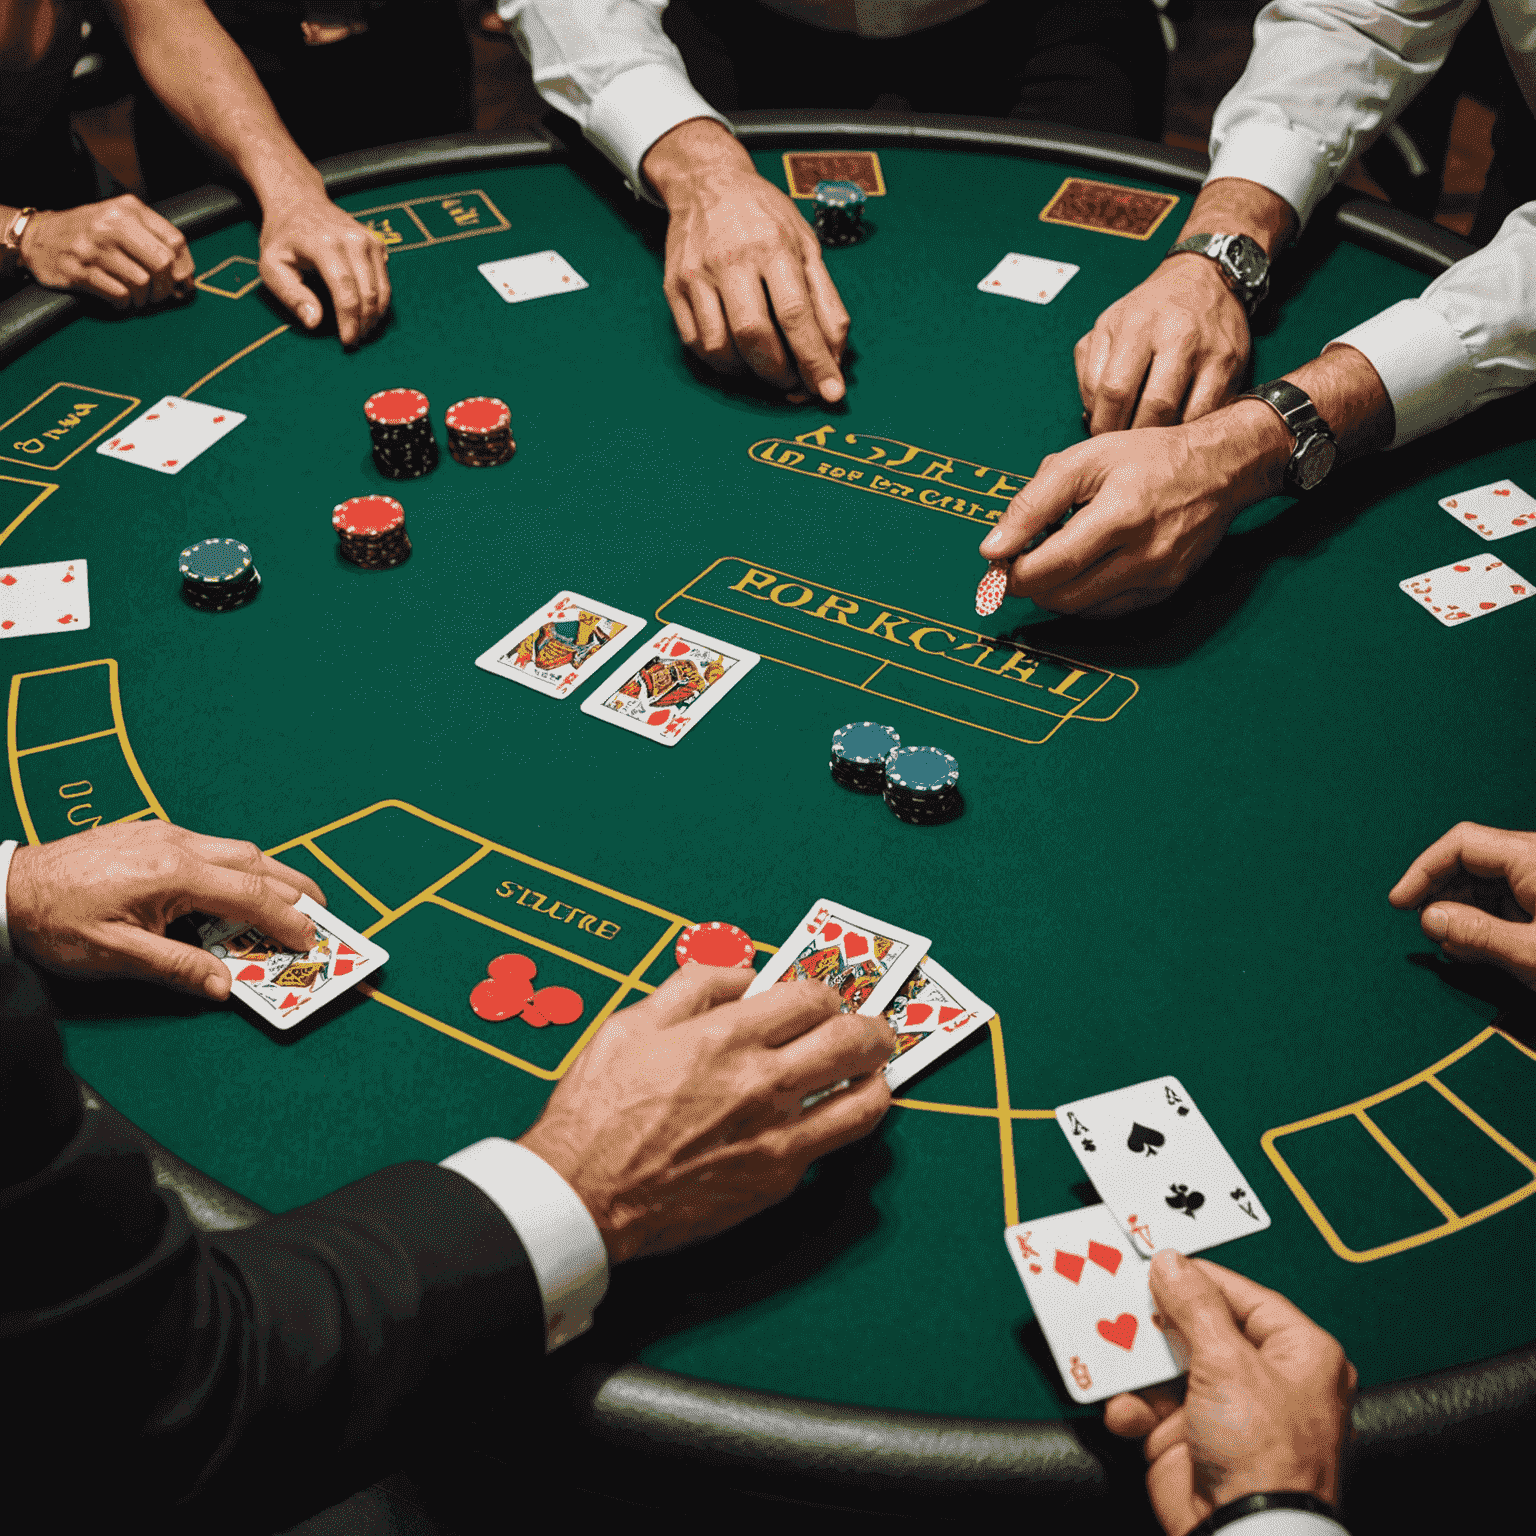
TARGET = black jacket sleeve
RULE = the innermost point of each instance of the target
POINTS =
(150, 1366)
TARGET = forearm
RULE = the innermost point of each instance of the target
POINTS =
(207, 84)
(698, 152)
(1233, 206)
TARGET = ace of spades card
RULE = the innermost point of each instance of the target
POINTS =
(862, 959)
(557, 647)
(664, 690)
(1160, 1168)
(280, 986)
(931, 1014)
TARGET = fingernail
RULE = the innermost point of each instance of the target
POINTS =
(833, 391)
(992, 544)
(1437, 922)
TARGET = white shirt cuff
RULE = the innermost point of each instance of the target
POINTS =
(1293, 164)
(1422, 362)
(1286, 1522)
(556, 1230)
(636, 109)
(7, 851)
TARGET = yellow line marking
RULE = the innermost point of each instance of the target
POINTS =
(1497, 1137)
(73, 741)
(191, 389)
(522, 938)
(1397, 1155)
(356, 886)
(106, 426)
(632, 982)
(201, 280)
(1004, 1123)
(135, 816)
(456, 1034)
(43, 486)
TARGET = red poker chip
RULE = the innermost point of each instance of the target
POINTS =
(368, 515)
(395, 407)
(480, 413)
(993, 589)
(715, 944)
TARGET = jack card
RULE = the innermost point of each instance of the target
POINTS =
(1028, 277)
(931, 1014)
(44, 599)
(1493, 511)
(520, 278)
(281, 987)
(1467, 589)
(170, 434)
(664, 690)
(862, 959)
(1090, 1295)
(559, 646)
(1160, 1168)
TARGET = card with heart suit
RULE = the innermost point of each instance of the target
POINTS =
(1089, 1291)
(1160, 1168)
(1494, 511)
(931, 1014)
(859, 957)
(170, 434)
(668, 686)
(536, 276)
(1030, 278)
(45, 599)
(559, 646)
(279, 986)
(1467, 589)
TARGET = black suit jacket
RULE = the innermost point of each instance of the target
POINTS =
(243, 1377)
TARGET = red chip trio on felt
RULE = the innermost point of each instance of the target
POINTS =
(508, 993)
(715, 944)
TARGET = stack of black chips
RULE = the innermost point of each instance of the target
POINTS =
(218, 574)
(400, 424)
(859, 752)
(839, 212)
(921, 786)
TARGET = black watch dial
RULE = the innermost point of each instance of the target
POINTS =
(1312, 460)
(1247, 261)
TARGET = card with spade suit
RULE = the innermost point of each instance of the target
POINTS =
(279, 986)
(48, 599)
(1090, 1295)
(931, 1014)
(666, 687)
(1160, 1168)
(859, 957)
(170, 434)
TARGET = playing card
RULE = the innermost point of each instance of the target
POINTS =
(1160, 1168)
(1467, 589)
(859, 957)
(1493, 510)
(1090, 1295)
(558, 647)
(519, 278)
(1030, 278)
(803, 169)
(669, 685)
(170, 434)
(280, 986)
(44, 599)
(1111, 209)
(931, 1014)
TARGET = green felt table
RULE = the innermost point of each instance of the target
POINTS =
(1179, 828)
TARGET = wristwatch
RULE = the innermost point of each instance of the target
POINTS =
(1316, 447)
(1242, 261)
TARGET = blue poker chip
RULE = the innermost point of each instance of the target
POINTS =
(838, 194)
(863, 741)
(215, 562)
(921, 770)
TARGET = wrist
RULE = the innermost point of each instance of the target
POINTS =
(545, 1142)
(693, 154)
(1249, 445)
(1238, 1506)
(20, 892)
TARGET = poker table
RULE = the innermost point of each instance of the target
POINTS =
(1178, 834)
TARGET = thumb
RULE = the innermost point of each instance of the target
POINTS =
(1192, 1306)
(1057, 487)
(153, 957)
(1469, 933)
(290, 290)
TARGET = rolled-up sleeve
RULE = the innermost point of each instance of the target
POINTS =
(609, 65)
(1469, 338)
(1324, 79)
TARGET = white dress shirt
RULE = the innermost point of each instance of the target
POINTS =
(1325, 78)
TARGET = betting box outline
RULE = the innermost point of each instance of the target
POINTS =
(881, 663)
(45, 488)
(133, 402)
(201, 280)
(1099, 229)
(408, 205)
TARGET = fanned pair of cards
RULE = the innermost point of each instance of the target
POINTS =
(1166, 1181)
(170, 434)
(876, 967)
(660, 692)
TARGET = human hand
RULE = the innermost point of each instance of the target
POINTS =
(120, 249)
(1266, 1406)
(1167, 352)
(740, 257)
(1475, 889)
(311, 234)
(1153, 505)
(682, 1116)
(98, 903)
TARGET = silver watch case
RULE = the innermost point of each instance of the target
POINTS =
(1242, 261)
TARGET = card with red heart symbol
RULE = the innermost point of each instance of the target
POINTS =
(931, 1014)
(666, 687)
(862, 959)
(1467, 589)
(1089, 1289)
(1494, 511)
(279, 986)
(170, 434)
(48, 599)
(561, 645)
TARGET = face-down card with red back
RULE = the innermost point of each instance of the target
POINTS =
(862, 959)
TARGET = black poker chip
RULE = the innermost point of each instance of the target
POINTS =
(839, 212)
(400, 426)
(217, 575)
(860, 750)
